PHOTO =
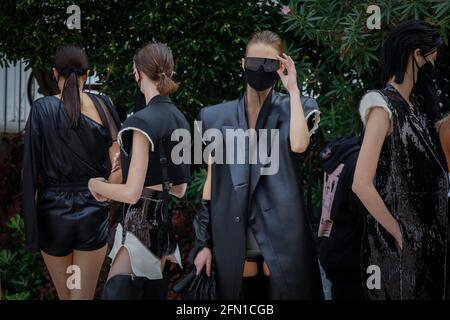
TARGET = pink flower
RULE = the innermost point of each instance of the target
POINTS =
(285, 9)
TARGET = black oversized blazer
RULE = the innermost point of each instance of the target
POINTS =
(280, 226)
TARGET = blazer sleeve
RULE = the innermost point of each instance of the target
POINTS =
(31, 165)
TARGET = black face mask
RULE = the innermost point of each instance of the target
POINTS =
(261, 80)
(426, 72)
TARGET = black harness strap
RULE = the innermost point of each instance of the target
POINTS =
(165, 178)
(166, 187)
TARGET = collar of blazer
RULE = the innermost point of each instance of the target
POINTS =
(240, 170)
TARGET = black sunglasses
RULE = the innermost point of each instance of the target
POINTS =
(254, 63)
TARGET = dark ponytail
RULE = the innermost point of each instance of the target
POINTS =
(71, 62)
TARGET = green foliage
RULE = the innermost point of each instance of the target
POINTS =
(207, 38)
(339, 59)
(335, 53)
(194, 192)
(21, 272)
(332, 36)
(18, 225)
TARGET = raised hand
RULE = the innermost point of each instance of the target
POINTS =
(290, 79)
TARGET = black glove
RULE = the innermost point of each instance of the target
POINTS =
(202, 227)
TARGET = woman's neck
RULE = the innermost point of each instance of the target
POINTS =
(253, 104)
(404, 88)
(149, 92)
(59, 95)
(255, 99)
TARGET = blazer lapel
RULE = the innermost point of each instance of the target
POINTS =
(271, 124)
(239, 146)
(240, 172)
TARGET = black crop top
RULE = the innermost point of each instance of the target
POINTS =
(157, 121)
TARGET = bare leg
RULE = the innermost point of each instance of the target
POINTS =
(90, 264)
(121, 264)
(57, 266)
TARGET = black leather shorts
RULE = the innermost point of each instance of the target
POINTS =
(69, 218)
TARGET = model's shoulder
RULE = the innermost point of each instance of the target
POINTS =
(139, 116)
(226, 106)
(45, 105)
(284, 100)
(374, 95)
(46, 100)
(281, 96)
(219, 111)
(100, 95)
(146, 118)
(281, 100)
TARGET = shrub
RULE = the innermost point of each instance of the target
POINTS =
(207, 39)
(22, 274)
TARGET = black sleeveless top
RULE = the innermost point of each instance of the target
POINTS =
(157, 121)
(56, 153)
(413, 184)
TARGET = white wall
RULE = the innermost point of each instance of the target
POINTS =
(13, 97)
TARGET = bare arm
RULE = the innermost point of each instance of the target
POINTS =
(129, 192)
(298, 132)
(115, 176)
(377, 128)
(207, 187)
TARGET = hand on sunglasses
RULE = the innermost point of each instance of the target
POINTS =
(290, 79)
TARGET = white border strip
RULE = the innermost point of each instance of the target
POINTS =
(199, 131)
(316, 114)
(119, 138)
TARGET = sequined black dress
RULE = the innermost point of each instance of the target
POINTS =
(413, 183)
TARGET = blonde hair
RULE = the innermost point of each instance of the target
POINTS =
(266, 37)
